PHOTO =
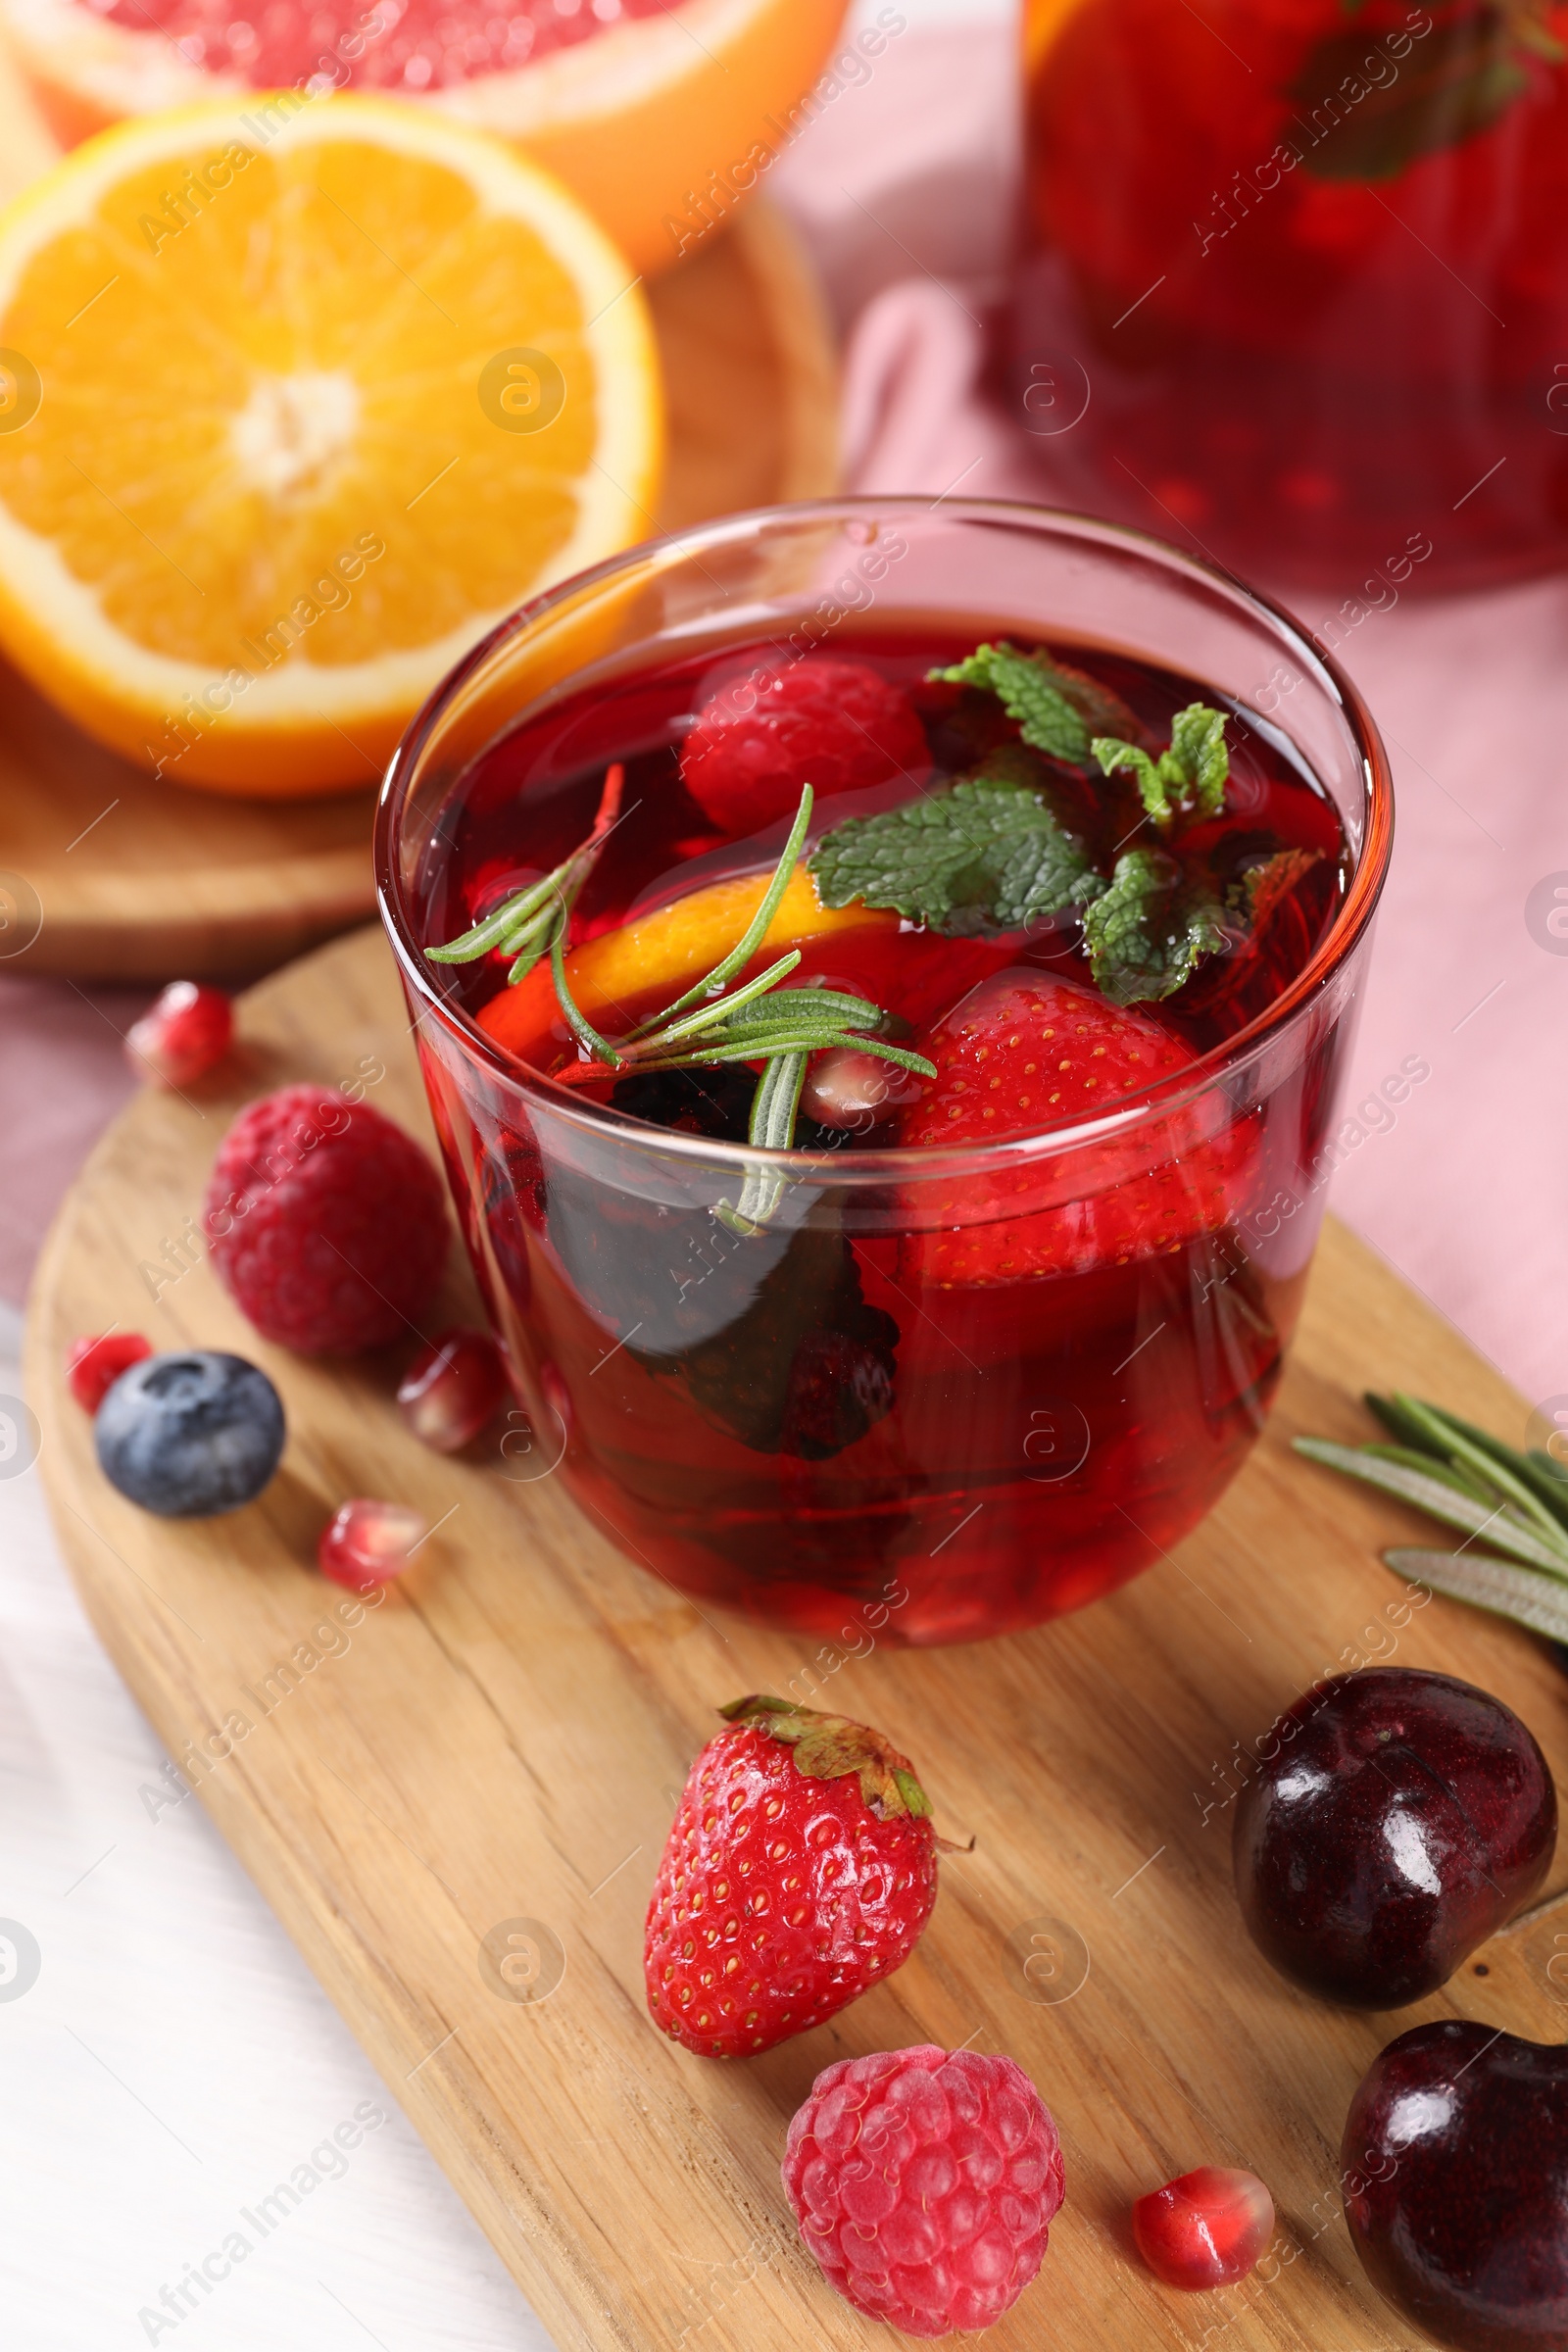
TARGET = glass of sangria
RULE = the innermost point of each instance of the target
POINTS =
(894, 1197)
(1295, 279)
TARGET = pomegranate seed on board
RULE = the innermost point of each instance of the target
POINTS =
(92, 1366)
(1206, 2228)
(452, 1388)
(368, 1542)
(182, 1034)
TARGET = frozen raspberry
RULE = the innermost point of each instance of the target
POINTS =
(451, 1390)
(1208, 2229)
(326, 1222)
(835, 725)
(182, 1035)
(923, 2185)
(92, 1366)
(367, 1542)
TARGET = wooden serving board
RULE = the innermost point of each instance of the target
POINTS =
(495, 1754)
(138, 880)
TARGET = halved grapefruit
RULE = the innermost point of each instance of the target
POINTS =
(658, 117)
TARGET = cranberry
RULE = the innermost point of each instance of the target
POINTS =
(182, 1035)
(1206, 2230)
(452, 1388)
(92, 1366)
(367, 1542)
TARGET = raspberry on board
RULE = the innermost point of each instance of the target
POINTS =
(326, 1222)
(924, 2185)
(800, 1870)
(835, 725)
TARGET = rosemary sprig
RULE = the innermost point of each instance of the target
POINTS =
(534, 921)
(710, 1023)
(1466, 1478)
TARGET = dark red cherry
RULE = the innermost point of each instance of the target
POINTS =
(1455, 2159)
(1397, 1819)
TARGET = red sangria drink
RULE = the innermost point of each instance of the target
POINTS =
(1295, 280)
(885, 1044)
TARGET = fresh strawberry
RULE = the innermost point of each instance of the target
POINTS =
(800, 1867)
(1026, 1053)
(835, 725)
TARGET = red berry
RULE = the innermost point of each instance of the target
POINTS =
(835, 725)
(185, 1033)
(326, 1222)
(924, 2185)
(367, 1542)
(452, 1388)
(92, 1366)
(1208, 2229)
(1022, 1055)
(800, 1868)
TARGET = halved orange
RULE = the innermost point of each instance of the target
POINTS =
(306, 395)
(666, 951)
(660, 117)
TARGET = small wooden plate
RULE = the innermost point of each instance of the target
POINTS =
(106, 874)
(456, 1804)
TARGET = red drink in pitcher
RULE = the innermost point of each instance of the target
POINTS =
(877, 1187)
(1296, 277)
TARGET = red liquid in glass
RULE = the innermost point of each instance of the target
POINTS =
(796, 1425)
(1297, 281)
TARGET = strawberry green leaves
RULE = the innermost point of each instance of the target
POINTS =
(829, 1746)
(1185, 782)
(1514, 1503)
(990, 854)
(1147, 933)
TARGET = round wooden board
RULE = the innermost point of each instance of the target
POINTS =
(501, 1742)
(106, 874)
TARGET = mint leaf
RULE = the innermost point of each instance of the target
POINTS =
(1185, 782)
(1057, 708)
(1253, 898)
(1457, 80)
(990, 853)
(1146, 932)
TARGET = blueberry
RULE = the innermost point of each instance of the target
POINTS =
(190, 1434)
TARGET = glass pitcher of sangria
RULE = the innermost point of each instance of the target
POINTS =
(1296, 280)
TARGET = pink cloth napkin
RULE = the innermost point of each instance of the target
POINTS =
(903, 188)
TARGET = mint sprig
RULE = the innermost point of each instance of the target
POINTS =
(1058, 709)
(1147, 933)
(993, 852)
(1514, 1502)
(1187, 782)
